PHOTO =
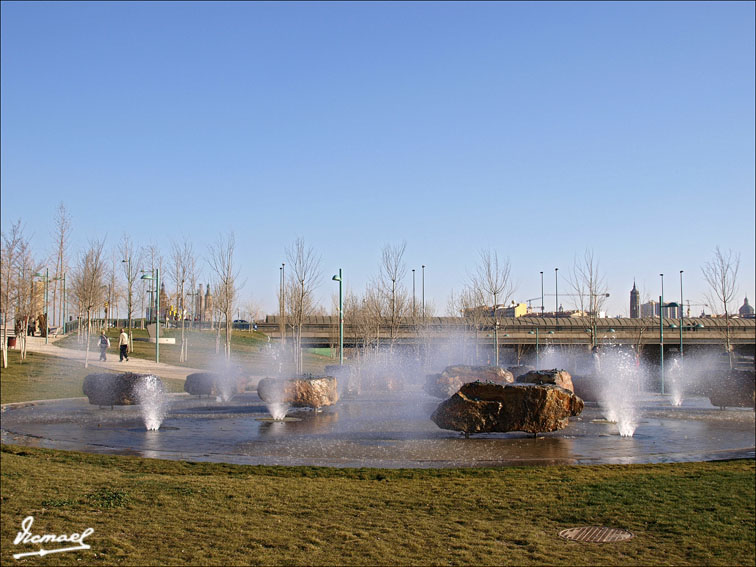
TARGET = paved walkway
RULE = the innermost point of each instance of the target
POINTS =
(139, 365)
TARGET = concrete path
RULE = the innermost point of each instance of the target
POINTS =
(139, 365)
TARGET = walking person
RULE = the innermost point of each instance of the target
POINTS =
(123, 344)
(104, 344)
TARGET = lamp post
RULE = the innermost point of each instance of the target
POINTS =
(661, 333)
(129, 280)
(413, 294)
(541, 294)
(538, 362)
(423, 283)
(57, 279)
(680, 314)
(45, 277)
(556, 290)
(156, 276)
(283, 303)
(65, 303)
(341, 317)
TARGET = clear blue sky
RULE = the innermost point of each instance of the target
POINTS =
(534, 129)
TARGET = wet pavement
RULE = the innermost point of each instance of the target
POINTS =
(378, 429)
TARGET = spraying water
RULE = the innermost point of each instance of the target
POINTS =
(674, 377)
(619, 382)
(225, 386)
(277, 410)
(150, 394)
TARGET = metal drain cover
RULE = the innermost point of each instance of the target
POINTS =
(596, 534)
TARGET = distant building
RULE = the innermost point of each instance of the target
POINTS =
(635, 312)
(650, 309)
(514, 310)
(672, 310)
(746, 310)
(207, 314)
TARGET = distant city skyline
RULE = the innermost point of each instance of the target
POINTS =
(537, 130)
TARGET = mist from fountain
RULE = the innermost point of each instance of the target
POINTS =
(620, 380)
(675, 381)
(225, 387)
(153, 405)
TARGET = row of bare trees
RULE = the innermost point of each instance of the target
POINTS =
(94, 278)
(95, 282)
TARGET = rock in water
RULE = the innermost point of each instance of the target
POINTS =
(453, 377)
(735, 389)
(215, 384)
(587, 387)
(518, 371)
(557, 377)
(114, 389)
(299, 392)
(482, 408)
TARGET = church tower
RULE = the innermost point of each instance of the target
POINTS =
(634, 302)
(208, 313)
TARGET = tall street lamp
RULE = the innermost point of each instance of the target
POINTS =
(283, 303)
(680, 315)
(129, 280)
(65, 303)
(661, 333)
(413, 294)
(341, 317)
(556, 291)
(56, 279)
(46, 278)
(541, 294)
(156, 276)
(423, 266)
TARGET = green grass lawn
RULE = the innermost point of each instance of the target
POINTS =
(249, 349)
(154, 512)
(45, 377)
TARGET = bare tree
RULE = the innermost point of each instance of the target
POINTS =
(221, 261)
(590, 287)
(303, 279)
(493, 279)
(470, 304)
(392, 273)
(182, 265)
(13, 243)
(721, 274)
(131, 261)
(62, 234)
(87, 285)
(30, 293)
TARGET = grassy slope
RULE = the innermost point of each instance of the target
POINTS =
(161, 512)
(247, 348)
(149, 512)
(44, 377)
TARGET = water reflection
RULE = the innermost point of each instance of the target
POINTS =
(382, 430)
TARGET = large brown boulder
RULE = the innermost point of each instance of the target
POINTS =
(481, 408)
(734, 388)
(587, 387)
(214, 384)
(557, 377)
(299, 392)
(453, 377)
(115, 389)
(518, 371)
